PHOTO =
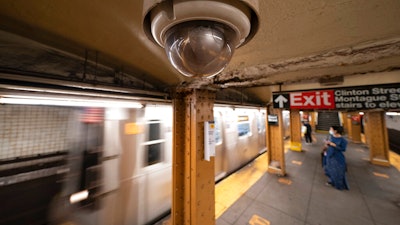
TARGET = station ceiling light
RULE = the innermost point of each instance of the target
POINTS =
(200, 36)
(73, 102)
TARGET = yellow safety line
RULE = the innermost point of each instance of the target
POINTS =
(231, 188)
(394, 160)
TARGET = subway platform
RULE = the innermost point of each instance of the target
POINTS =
(252, 196)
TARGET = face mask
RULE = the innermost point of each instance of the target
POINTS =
(331, 132)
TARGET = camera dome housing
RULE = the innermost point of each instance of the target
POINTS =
(200, 49)
(200, 36)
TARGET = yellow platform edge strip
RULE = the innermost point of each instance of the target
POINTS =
(233, 187)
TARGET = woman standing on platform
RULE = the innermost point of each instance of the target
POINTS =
(335, 167)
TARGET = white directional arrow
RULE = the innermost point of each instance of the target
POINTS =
(281, 100)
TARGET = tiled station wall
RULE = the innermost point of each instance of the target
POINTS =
(27, 130)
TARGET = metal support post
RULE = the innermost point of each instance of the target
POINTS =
(354, 127)
(275, 153)
(193, 200)
(295, 130)
(377, 138)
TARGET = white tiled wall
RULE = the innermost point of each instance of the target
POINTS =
(30, 130)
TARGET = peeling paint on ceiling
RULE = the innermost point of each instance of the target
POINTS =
(297, 42)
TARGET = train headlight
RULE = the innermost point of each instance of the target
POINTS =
(200, 36)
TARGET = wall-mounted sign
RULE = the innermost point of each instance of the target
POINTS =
(209, 140)
(355, 119)
(349, 98)
(243, 118)
(272, 119)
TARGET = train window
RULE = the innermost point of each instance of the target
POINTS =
(154, 131)
(154, 144)
(261, 123)
(243, 126)
(153, 154)
(243, 129)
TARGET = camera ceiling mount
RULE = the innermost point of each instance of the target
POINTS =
(200, 36)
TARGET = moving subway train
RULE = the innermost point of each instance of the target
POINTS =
(70, 165)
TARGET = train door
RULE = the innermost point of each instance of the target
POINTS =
(80, 198)
(113, 131)
(261, 131)
(92, 145)
(286, 123)
(157, 156)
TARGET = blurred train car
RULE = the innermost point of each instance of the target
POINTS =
(70, 165)
(239, 137)
(143, 189)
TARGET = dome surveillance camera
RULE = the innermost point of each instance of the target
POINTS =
(199, 48)
(200, 36)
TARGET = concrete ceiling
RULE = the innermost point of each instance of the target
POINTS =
(298, 44)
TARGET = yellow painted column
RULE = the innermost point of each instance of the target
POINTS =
(377, 138)
(313, 120)
(193, 200)
(345, 117)
(295, 130)
(349, 127)
(275, 152)
(365, 131)
(354, 127)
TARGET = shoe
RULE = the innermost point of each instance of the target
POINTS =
(328, 183)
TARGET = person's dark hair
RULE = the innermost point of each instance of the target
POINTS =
(338, 129)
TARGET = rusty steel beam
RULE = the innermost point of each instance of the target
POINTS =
(193, 177)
